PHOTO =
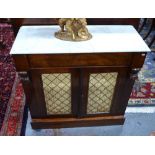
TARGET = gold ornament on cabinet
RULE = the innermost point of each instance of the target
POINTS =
(73, 29)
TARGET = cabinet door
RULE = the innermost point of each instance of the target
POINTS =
(54, 92)
(105, 90)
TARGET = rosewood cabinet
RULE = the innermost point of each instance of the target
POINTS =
(70, 84)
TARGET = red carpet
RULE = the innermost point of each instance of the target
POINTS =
(11, 93)
(143, 94)
(13, 120)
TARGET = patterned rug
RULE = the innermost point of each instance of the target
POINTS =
(11, 93)
(144, 88)
(13, 120)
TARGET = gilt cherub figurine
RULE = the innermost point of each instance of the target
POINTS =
(73, 29)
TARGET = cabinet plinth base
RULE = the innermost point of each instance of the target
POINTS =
(74, 122)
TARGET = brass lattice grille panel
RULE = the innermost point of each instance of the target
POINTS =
(100, 93)
(57, 92)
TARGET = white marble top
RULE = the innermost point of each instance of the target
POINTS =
(106, 39)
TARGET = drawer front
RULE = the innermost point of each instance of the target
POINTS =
(21, 62)
(75, 60)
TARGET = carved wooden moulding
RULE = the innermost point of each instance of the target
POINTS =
(73, 29)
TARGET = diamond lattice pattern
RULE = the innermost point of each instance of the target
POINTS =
(57, 92)
(101, 89)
